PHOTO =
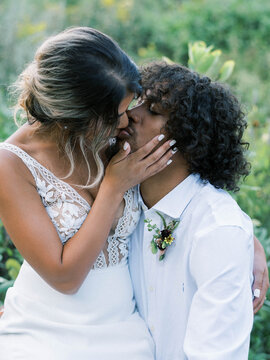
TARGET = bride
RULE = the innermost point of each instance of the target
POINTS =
(73, 296)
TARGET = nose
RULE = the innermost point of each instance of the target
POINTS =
(133, 115)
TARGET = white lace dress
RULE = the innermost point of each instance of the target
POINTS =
(100, 321)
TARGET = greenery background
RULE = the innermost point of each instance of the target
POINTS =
(150, 29)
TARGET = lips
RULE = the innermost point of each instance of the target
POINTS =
(125, 133)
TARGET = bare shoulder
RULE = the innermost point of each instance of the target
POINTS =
(13, 170)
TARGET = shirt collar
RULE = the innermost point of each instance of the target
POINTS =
(174, 203)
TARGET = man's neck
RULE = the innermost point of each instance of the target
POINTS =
(156, 187)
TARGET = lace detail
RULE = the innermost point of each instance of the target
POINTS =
(68, 210)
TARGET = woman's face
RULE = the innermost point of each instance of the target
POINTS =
(122, 115)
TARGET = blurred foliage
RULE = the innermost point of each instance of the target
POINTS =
(205, 61)
(152, 29)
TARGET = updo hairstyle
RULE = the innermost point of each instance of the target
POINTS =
(73, 89)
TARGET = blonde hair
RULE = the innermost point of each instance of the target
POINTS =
(73, 89)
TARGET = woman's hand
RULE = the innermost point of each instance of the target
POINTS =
(261, 277)
(126, 170)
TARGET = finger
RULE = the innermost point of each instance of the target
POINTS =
(258, 282)
(147, 148)
(160, 152)
(159, 165)
(258, 302)
(258, 306)
(257, 294)
(265, 284)
(122, 153)
(259, 289)
(1, 310)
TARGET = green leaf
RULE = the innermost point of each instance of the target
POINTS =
(161, 257)
(9, 251)
(154, 247)
(164, 245)
(167, 60)
(163, 220)
(226, 70)
(5, 285)
(13, 266)
(208, 62)
(176, 223)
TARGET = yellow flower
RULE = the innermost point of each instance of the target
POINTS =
(169, 239)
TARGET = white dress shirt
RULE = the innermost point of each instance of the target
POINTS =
(197, 302)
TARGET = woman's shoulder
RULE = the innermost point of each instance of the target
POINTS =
(12, 164)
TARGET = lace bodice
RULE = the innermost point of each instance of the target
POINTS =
(68, 210)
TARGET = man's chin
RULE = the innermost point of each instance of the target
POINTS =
(120, 140)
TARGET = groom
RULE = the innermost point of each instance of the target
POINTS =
(191, 256)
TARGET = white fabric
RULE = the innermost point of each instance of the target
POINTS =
(68, 209)
(197, 302)
(100, 321)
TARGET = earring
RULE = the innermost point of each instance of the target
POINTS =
(112, 141)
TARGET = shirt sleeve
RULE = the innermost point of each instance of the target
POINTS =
(221, 313)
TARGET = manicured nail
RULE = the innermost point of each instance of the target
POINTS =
(169, 162)
(172, 142)
(161, 137)
(174, 150)
(125, 145)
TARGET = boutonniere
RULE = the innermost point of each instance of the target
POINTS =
(161, 238)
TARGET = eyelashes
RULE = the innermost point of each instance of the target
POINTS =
(152, 112)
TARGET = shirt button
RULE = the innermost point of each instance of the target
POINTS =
(152, 328)
(151, 289)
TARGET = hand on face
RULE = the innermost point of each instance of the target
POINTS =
(126, 170)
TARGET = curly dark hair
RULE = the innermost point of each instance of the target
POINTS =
(205, 119)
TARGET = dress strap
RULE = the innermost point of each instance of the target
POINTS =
(40, 172)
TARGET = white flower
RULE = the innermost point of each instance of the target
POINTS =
(44, 190)
(70, 209)
(70, 224)
(52, 212)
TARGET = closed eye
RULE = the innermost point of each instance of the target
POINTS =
(153, 112)
(150, 109)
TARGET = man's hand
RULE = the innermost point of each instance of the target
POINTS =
(261, 277)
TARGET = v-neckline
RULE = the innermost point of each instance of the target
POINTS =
(51, 173)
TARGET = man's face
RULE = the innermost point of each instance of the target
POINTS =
(146, 120)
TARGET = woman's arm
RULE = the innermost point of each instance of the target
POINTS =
(33, 233)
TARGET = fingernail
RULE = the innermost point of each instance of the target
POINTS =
(161, 137)
(172, 142)
(169, 162)
(125, 145)
(174, 150)
(257, 293)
